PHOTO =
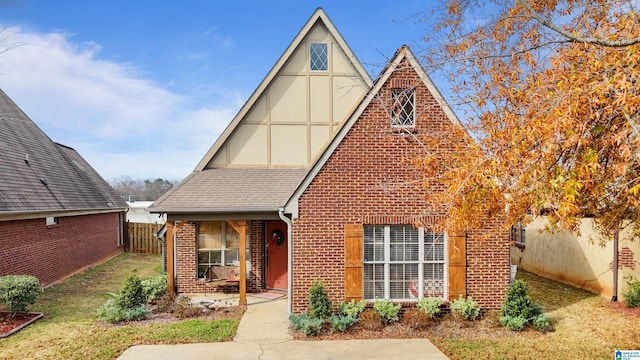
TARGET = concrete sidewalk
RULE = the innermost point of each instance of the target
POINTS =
(263, 334)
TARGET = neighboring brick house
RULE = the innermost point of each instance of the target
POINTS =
(339, 208)
(57, 215)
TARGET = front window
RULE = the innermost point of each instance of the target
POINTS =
(518, 234)
(402, 107)
(319, 57)
(402, 262)
(218, 244)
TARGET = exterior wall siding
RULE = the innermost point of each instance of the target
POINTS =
(368, 181)
(187, 260)
(54, 252)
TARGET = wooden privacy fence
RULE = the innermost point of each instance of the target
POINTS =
(141, 238)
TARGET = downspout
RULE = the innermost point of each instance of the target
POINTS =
(289, 258)
(615, 266)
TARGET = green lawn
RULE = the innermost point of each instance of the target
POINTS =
(586, 327)
(69, 329)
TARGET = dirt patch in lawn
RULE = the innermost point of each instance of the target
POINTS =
(157, 317)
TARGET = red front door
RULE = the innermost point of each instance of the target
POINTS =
(276, 255)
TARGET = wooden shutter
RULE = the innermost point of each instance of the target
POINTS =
(353, 262)
(457, 265)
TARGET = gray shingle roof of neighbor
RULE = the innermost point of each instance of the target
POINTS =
(231, 190)
(39, 175)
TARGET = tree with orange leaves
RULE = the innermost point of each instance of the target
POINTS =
(554, 88)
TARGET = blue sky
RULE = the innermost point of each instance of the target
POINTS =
(143, 88)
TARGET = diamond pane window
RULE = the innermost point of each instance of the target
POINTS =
(319, 57)
(402, 262)
(402, 107)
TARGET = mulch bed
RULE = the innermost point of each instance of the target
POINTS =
(444, 327)
(10, 326)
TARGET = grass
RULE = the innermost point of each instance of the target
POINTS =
(586, 327)
(69, 329)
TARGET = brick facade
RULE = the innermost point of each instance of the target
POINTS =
(187, 260)
(54, 252)
(367, 181)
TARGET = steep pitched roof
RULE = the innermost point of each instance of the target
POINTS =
(227, 190)
(38, 175)
(401, 54)
(318, 16)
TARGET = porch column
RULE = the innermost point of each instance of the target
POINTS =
(170, 258)
(241, 227)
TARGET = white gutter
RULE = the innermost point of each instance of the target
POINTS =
(289, 258)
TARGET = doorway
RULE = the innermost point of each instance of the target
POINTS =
(276, 253)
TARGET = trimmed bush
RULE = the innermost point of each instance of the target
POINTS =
(415, 318)
(518, 303)
(387, 310)
(514, 323)
(541, 323)
(17, 292)
(154, 287)
(352, 308)
(370, 320)
(430, 305)
(340, 323)
(320, 305)
(632, 296)
(131, 294)
(308, 325)
(111, 312)
(466, 309)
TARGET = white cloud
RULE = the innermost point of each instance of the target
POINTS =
(119, 122)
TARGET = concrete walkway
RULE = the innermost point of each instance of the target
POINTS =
(263, 334)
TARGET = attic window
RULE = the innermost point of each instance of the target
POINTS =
(403, 107)
(51, 220)
(319, 57)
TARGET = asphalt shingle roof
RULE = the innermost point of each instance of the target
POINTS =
(231, 190)
(37, 174)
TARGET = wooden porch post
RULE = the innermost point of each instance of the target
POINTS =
(170, 258)
(241, 227)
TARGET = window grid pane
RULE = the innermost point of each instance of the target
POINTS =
(400, 278)
(318, 56)
(402, 107)
(373, 281)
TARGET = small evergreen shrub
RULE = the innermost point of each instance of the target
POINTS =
(131, 294)
(308, 325)
(541, 323)
(340, 323)
(320, 305)
(415, 318)
(466, 309)
(17, 292)
(388, 312)
(513, 323)
(632, 296)
(111, 312)
(519, 303)
(352, 308)
(370, 320)
(154, 287)
(430, 305)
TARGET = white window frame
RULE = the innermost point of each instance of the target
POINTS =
(421, 263)
(310, 59)
(223, 249)
(51, 220)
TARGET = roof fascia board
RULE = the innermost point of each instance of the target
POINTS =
(319, 14)
(8, 216)
(267, 215)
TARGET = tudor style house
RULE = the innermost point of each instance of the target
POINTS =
(58, 216)
(308, 182)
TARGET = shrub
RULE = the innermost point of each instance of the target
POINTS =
(388, 312)
(154, 287)
(430, 305)
(320, 305)
(341, 322)
(308, 325)
(415, 318)
(17, 292)
(166, 303)
(518, 303)
(514, 323)
(541, 323)
(352, 308)
(370, 320)
(111, 312)
(183, 308)
(131, 294)
(632, 296)
(465, 309)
